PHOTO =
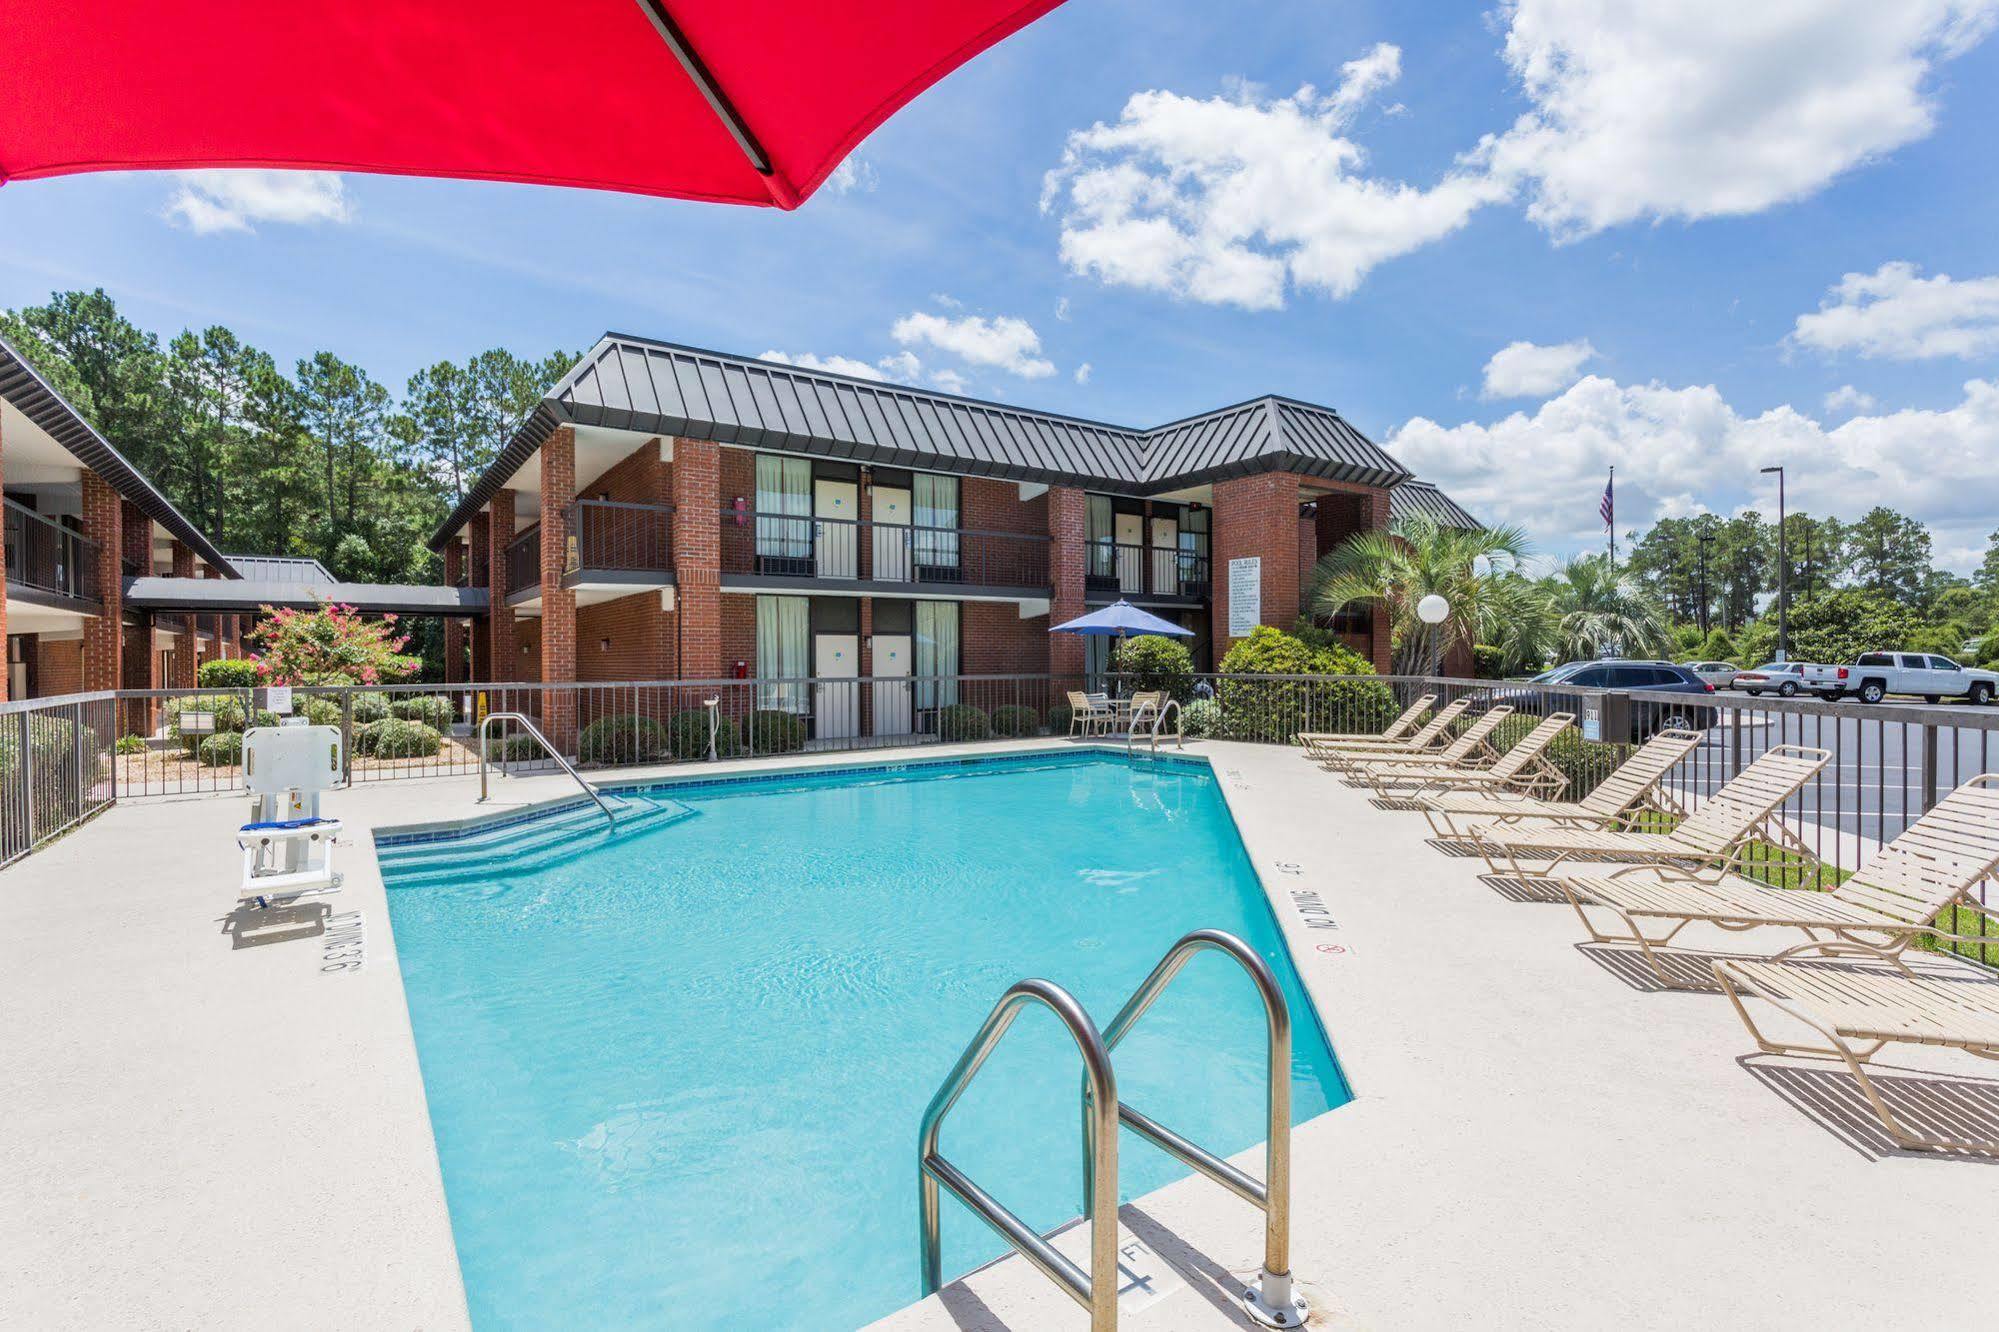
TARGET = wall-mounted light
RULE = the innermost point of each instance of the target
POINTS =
(603, 645)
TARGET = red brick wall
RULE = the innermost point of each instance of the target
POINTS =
(103, 523)
(640, 477)
(527, 651)
(1256, 515)
(59, 667)
(500, 627)
(987, 505)
(994, 640)
(477, 551)
(1068, 524)
(640, 637)
(185, 655)
(558, 603)
(738, 636)
(697, 480)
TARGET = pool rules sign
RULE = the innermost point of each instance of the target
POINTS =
(1245, 596)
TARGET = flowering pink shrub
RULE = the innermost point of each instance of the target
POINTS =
(331, 645)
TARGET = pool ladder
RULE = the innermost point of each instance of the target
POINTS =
(485, 733)
(1271, 1300)
(1158, 716)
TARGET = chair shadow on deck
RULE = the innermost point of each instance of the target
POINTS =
(254, 927)
(1926, 1102)
(1524, 888)
(1691, 969)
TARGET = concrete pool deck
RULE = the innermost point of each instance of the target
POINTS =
(202, 1135)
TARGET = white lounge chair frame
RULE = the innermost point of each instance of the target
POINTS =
(1523, 769)
(1395, 731)
(1637, 786)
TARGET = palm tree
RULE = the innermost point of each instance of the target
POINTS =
(1602, 611)
(1412, 559)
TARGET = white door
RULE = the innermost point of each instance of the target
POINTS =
(1166, 557)
(894, 710)
(1130, 530)
(891, 539)
(836, 699)
(836, 505)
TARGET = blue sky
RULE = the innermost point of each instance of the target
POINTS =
(1674, 186)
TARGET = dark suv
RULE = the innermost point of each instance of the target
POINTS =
(1647, 715)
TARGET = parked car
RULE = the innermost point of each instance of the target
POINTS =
(1787, 679)
(1647, 715)
(1720, 674)
(1932, 678)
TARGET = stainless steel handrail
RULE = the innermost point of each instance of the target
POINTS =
(1096, 1291)
(1271, 1301)
(1158, 715)
(485, 734)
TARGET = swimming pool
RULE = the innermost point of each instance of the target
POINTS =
(692, 1059)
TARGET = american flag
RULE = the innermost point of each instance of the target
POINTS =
(1609, 506)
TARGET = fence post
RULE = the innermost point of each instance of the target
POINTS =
(347, 737)
(79, 787)
(1929, 766)
(27, 753)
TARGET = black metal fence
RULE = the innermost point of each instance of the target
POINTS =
(615, 536)
(804, 546)
(44, 554)
(55, 769)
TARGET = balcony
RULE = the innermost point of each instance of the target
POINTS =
(782, 550)
(44, 556)
(618, 546)
(1148, 573)
(523, 561)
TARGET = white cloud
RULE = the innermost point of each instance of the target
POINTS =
(904, 366)
(1705, 108)
(1062, 309)
(1003, 342)
(854, 173)
(1895, 313)
(1682, 450)
(836, 365)
(947, 300)
(1230, 200)
(212, 201)
(1083, 373)
(1529, 370)
(949, 380)
(1847, 398)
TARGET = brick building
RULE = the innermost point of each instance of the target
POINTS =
(667, 513)
(81, 526)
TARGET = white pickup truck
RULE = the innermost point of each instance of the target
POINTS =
(1933, 678)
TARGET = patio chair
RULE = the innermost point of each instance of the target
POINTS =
(1472, 748)
(1860, 1010)
(1523, 768)
(1900, 892)
(1707, 837)
(1395, 731)
(1089, 714)
(1630, 790)
(1145, 700)
(1433, 735)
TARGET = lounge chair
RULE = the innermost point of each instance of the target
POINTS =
(1471, 749)
(1089, 715)
(1859, 1010)
(1708, 837)
(1626, 792)
(1899, 893)
(1433, 735)
(1397, 730)
(1524, 768)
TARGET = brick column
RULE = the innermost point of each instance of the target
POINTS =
(697, 555)
(184, 641)
(478, 553)
(1068, 529)
(558, 603)
(454, 628)
(1256, 516)
(499, 618)
(103, 523)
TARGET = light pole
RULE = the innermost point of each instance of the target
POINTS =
(1783, 560)
(1705, 538)
(1433, 610)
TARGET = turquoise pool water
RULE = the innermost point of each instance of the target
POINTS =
(670, 1067)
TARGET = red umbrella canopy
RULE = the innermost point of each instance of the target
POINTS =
(727, 101)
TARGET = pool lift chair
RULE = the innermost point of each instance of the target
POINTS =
(288, 844)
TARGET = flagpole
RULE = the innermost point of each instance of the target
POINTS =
(1610, 498)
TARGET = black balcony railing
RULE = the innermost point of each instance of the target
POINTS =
(46, 555)
(783, 545)
(1145, 571)
(523, 557)
(616, 537)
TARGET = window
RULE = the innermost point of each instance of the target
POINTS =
(1876, 659)
(1590, 677)
(1101, 532)
(934, 510)
(1194, 550)
(936, 653)
(783, 640)
(784, 508)
(1944, 664)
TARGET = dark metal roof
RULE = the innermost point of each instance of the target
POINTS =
(205, 596)
(628, 383)
(35, 399)
(280, 568)
(1413, 498)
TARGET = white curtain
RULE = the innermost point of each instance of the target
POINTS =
(934, 507)
(1100, 535)
(936, 653)
(782, 639)
(784, 507)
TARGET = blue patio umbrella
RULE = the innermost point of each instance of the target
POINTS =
(1120, 619)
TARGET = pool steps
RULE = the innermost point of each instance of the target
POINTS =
(514, 848)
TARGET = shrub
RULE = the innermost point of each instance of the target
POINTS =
(687, 736)
(319, 709)
(626, 738)
(1012, 719)
(231, 673)
(1275, 710)
(131, 744)
(521, 748)
(1583, 762)
(1204, 717)
(773, 731)
(368, 708)
(1059, 718)
(1487, 662)
(329, 645)
(220, 750)
(398, 738)
(433, 710)
(962, 721)
(1155, 662)
(228, 710)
